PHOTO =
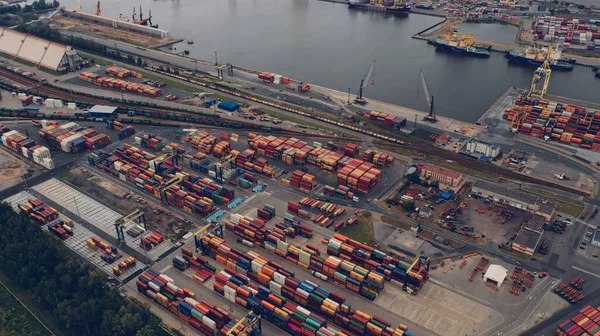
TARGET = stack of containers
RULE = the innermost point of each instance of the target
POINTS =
(304, 181)
(151, 141)
(124, 266)
(250, 229)
(122, 85)
(387, 120)
(151, 241)
(27, 147)
(242, 158)
(371, 259)
(266, 213)
(196, 162)
(126, 132)
(97, 142)
(586, 322)
(248, 180)
(203, 316)
(359, 175)
(38, 211)
(221, 149)
(119, 72)
(351, 150)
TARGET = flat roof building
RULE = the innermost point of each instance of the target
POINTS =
(117, 24)
(526, 241)
(102, 111)
(44, 53)
(596, 238)
(484, 148)
(442, 175)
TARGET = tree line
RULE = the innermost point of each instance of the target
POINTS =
(74, 294)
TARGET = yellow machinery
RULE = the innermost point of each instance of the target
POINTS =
(517, 121)
(216, 228)
(253, 326)
(541, 76)
(121, 222)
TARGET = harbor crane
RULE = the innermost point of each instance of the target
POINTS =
(214, 228)
(359, 99)
(98, 11)
(541, 76)
(429, 98)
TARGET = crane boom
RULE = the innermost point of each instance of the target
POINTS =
(359, 99)
(425, 89)
(429, 98)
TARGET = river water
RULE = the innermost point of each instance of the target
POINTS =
(327, 44)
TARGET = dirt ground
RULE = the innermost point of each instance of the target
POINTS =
(110, 33)
(120, 198)
(449, 26)
(13, 170)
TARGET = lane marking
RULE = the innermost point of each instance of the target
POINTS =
(585, 271)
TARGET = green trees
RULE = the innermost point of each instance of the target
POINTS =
(74, 294)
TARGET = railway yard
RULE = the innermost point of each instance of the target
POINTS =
(341, 228)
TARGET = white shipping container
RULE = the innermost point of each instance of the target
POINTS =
(191, 301)
(48, 163)
(71, 106)
(151, 294)
(58, 103)
(210, 323)
(279, 278)
(154, 287)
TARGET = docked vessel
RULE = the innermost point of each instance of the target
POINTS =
(461, 43)
(386, 6)
(536, 56)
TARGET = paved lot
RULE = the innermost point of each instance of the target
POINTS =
(489, 223)
(77, 242)
(96, 214)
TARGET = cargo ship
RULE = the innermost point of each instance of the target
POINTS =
(536, 56)
(462, 43)
(391, 7)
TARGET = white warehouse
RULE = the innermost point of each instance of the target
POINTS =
(484, 148)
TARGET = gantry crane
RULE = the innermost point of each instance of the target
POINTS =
(175, 180)
(219, 166)
(359, 99)
(121, 222)
(429, 98)
(541, 76)
(171, 155)
(517, 121)
(419, 260)
(253, 326)
(214, 228)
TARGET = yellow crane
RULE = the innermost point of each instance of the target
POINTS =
(541, 76)
(216, 228)
(517, 121)
(121, 222)
(253, 326)
(175, 180)
(219, 166)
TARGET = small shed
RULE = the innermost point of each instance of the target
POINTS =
(210, 102)
(496, 275)
(445, 195)
(102, 111)
(228, 106)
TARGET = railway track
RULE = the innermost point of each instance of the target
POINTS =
(394, 142)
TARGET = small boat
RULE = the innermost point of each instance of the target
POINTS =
(190, 42)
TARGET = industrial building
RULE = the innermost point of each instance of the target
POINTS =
(117, 24)
(102, 111)
(526, 241)
(495, 274)
(442, 175)
(514, 198)
(43, 53)
(484, 148)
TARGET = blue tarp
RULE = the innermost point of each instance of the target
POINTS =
(215, 216)
(445, 195)
(228, 106)
(210, 102)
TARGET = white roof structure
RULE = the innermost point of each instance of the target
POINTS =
(33, 49)
(496, 273)
(102, 109)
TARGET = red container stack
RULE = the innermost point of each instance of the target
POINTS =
(586, 322)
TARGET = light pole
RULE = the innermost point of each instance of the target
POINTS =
(76, 206)
(216, 59)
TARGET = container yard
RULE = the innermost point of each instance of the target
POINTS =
(118, 84)
(586, 322)
(568, 124)
(567, 31)
(71, 137)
